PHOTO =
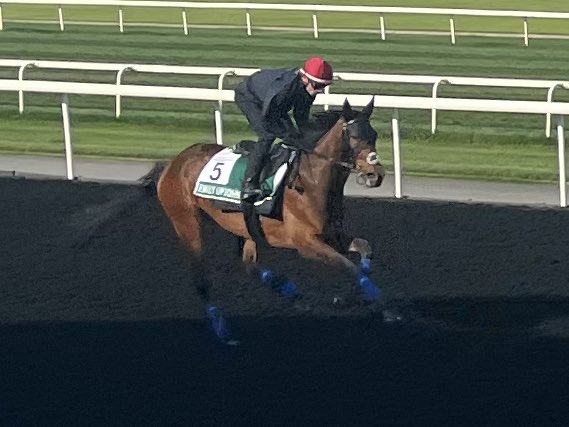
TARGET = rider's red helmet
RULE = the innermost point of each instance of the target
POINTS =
(318, 70)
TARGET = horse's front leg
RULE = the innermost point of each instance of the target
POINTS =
(276, 281)
(345, 243)
(250, 255)
(314, 248)
(361, 246)
(321, 251)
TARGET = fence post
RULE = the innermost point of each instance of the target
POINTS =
(218, 114)
(327, 90)
(220, 84)
(315, 24)
(185, 21)
(67, 137)
(218, 126)
(526, 35)
(434, 110)
(248, 20)
(549, 100)
(561, 152)
(396, 153)
(21, 92)
(382, 27)
(452, 34)
(121, 20)
(118, 97)
(60, 13)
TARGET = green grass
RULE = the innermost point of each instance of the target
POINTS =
(489, 159)
(467, 145)
(326, 20)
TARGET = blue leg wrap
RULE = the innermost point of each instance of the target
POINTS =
(279, 282)
(365, 264)
(217, 322)
(289, 290)
(370, 291)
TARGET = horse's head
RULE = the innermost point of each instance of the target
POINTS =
(360, 138)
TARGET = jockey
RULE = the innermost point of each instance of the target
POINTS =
(266, 97)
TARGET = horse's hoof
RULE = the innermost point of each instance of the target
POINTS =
(391, 316)
(370, 291)
(342, 302)
(302, 306)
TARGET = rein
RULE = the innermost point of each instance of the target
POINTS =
(351, 165)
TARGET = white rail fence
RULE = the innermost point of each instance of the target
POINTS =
(217, 95)
(223, 72)
(314, 9)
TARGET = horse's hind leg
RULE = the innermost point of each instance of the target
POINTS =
(189, 228)
(275, 281)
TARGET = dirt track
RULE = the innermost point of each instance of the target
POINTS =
(110, 331)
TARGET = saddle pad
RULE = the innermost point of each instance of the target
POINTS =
(222, 177)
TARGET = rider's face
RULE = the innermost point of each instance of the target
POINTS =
(313, 88)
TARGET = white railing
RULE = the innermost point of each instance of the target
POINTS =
(223, 72)
(395, 102)
(379, 11)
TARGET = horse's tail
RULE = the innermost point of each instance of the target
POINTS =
(150, 180)
(88, 223)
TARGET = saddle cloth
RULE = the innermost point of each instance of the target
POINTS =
(222, 177)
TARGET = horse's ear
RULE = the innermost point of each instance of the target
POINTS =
(347, 111)
(368, 108)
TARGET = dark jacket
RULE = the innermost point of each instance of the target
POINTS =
(276, 92)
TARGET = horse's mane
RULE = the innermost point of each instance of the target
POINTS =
(317, 126)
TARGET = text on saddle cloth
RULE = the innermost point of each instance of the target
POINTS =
(222, 177)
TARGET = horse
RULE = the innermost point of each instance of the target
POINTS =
(338, 142)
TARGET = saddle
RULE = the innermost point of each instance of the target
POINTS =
(278, 155)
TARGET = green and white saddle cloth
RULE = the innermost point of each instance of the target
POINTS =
(222, 177)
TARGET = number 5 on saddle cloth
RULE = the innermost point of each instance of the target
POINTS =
(221, 178)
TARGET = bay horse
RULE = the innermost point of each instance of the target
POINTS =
(312, 210)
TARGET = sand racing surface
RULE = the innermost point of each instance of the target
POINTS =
(100, 323)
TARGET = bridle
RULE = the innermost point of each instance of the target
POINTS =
(350, 130)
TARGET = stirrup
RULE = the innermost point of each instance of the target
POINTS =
(251, 194)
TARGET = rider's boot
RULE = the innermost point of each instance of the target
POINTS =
(251, 188)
